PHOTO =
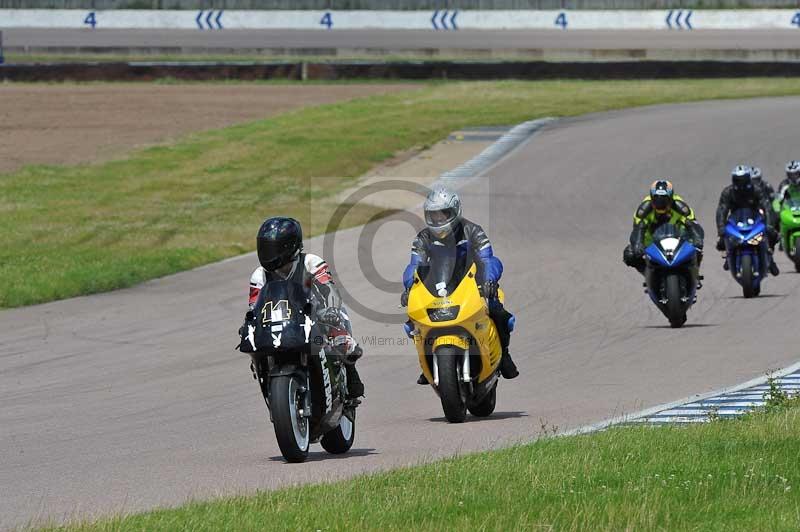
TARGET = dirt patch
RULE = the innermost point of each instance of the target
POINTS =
(69, 124)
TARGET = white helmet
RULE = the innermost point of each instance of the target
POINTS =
(742, 179)
(755, 173)
(442, 210)
(793, 172)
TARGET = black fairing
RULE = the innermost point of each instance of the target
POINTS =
(297, 352)
(283, 320)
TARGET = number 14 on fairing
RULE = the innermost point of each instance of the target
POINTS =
(276, 312)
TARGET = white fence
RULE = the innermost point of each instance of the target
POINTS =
(218, 20)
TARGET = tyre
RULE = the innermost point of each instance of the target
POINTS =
(486, 407)
(797, 265)
(450, 389)
(291, 429)
(746, 270)
(340, 439)
(675, 311)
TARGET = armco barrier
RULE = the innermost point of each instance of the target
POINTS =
(216, 19)
(534, 70)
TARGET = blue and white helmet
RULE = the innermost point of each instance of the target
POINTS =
(755, 173)
(442, 210)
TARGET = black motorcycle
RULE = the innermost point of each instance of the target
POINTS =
(303, 380)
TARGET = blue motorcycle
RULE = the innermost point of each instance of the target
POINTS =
(670, 273)
(747, 250)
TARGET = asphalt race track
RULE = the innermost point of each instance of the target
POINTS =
(405, 39)
(136, 398)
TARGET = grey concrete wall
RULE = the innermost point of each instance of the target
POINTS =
(393, 4)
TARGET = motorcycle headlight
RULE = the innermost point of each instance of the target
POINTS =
(669, 245)
(443, 313)
(756, 240)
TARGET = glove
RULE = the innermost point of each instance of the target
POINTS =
(331, 316)
(354, 355)
(720, 244)
(490, 289)
(404, 298)
(344, 343)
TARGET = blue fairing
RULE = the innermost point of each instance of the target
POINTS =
(684, 253)
(743, 234)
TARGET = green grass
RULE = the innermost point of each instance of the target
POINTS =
(68, 231)
(726, 475)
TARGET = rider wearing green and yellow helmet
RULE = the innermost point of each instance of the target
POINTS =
(660, 206)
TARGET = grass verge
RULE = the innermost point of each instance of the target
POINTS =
(725, 475)
(69, 231)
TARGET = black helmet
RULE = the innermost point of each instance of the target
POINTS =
(742, 179)
(279, 240)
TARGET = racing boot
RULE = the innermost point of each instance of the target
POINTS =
(698, 262)
(423, 380)
(773, 268)
(507, 367)
(355, 388)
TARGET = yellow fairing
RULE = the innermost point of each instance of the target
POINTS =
(471, 330)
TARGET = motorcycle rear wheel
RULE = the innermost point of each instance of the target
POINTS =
(291, 429)
(340, 439)
(675, 311)
(746, 269)
(486, 407)
(450, 389)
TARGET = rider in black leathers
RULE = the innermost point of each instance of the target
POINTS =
(740, 194)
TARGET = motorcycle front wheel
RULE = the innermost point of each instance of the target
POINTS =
(675, 312)
(746, 271)
(450, 388)
(292, 429)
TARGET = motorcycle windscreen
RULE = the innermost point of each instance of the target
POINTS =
(669, 247)
(447, 265)
(743, 222)
(790, 212)
(282, 318)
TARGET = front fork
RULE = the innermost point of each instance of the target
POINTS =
(263, 383)
(466, 370)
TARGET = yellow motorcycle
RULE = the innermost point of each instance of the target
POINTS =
(457, 343)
